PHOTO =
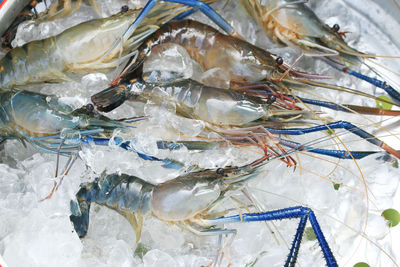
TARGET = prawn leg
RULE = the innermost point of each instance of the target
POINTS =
(127, 145)
(80, 212)
(66, 150)
(303, 213)
(260, 140)
(338, 125)
(67, 168)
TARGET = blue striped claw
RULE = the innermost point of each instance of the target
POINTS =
(338, 125)
(303, 213)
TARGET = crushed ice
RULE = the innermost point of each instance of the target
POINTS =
(35, 233)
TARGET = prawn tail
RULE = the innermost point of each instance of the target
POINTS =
(110, 98)
(80, 212)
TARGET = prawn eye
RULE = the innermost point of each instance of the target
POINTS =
(89, 107)
(279, 60)
(220, 171)
(271, 99)
(124, 8)
(336, 28)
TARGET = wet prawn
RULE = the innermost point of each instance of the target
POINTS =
(189, 201)
(294, 24)
(235, 115)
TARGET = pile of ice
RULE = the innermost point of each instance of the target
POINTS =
(39, 233)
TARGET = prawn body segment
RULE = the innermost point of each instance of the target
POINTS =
(244, 62)
(193, 100)
(33, 62)
(120, 192)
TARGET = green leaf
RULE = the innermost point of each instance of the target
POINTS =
(211, 227)
(392, 215)
(141, 250)
(395, 164)
(361, 264)
(310, 235)
(385, 104)
(336, 186)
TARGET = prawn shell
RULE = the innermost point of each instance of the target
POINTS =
(37, 115)
(214, 105)
(182, 198)
(213, 51)
(221, 106)
(89, 41)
